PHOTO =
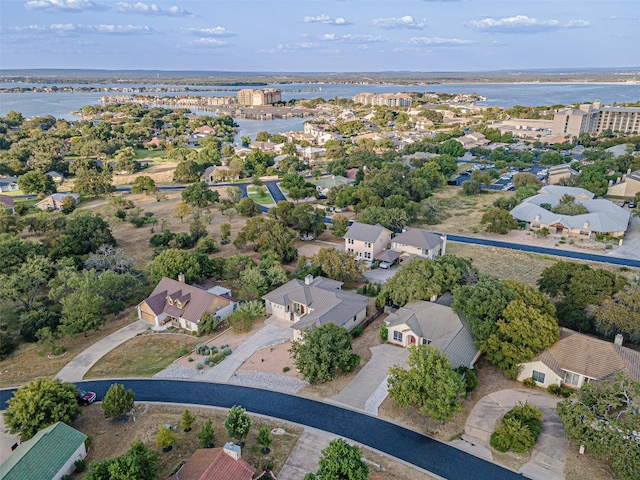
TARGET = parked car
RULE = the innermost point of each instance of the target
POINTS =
(632, 205)
(84, 397)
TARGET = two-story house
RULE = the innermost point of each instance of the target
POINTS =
(366, 241)
(174, 303)
(415, 241)
(314, 302)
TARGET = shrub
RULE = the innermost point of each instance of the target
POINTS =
(80, 465)
(384, 333)
(357, 331)
(253, 307)
(182, 351)
(518, 430)
(199, 366)
(241, 321)
(207, 360)
(216, 359)
(202, 349)
(214, 349)
(226, 351)
(190, 359)
(285, 369)
(529, 383)
(470, 378)
(554, 389)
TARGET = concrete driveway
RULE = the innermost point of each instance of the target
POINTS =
(368, 388)
(631, 245)
(548, 455)
(381, 275)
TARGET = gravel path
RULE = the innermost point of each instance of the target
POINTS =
(179, 371)
(270, 381)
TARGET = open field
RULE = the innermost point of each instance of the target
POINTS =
(160, 171)
(110, 438)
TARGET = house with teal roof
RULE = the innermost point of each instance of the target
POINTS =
(49, 455)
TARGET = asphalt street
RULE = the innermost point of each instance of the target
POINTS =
(394, 440)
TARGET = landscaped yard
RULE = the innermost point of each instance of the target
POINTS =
(260, 195)
(143, 356)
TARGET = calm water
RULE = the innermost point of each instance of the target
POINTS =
(61, 104)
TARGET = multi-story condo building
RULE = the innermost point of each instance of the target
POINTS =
(383, 99)
(594, 118)
(266, 96)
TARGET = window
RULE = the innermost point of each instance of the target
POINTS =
(350, 241)
(426, 341)
(571, 378)
(367, 245)
(397, 336)
(367, 255)
(538, 376)
(349, 249)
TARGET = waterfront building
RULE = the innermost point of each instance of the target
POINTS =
(595, 118)
(383, 99)
(266, 96)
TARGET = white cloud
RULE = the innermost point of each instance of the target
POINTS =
(215, 31)
(67, 6)
(332, 37)
(210, 42)
(288, 47)
(152, 9)
(403, 22)
(72, 28)
(439, 41)
(327, 19)
(522, 24)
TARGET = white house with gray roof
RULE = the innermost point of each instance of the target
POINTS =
(314, 302)
(604, 217)
(429, 323)
(366, 241)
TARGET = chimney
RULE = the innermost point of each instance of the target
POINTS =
(618, 339)
(586, 225)
(232, 450)
(308, 280)
(181, 278)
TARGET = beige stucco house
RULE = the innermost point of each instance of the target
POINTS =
(174, 303)
(557, 173)
(366, 241)
(54, 202)
(415, 241)
(577, 358)
(433, 323)
(627, 186)
(314, 302)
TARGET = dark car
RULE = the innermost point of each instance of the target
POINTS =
(84, 397)
(632, 205)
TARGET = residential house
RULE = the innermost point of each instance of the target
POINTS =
(558, 173)
(50, 454)
(54, 202)
(174, 303)
(311, 154)
(366, 241)
(429, 323)
(7, 203)
(577, 358)
(627, 186)
(8, 183)
(314, 302)
(415, 241)
(217, 173)
(215, 464)
(204, 131)
(56, 176)
(471, 140)
(264, 146)
(604, 217)
(323, 185)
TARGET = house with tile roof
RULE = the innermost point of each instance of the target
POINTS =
(314, 302)
(434, 323)
(215, 464)
(50, 454)
(417, 242)
(366, 241)
(577, 358)
(604, 216)
(175, 303)
(54, 202)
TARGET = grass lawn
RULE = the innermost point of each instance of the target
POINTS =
(264, 198)
(143, 153)
(143, 356)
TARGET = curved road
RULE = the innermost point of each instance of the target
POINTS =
(405, 444)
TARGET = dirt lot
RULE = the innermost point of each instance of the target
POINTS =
(161, 171)
(109, 438)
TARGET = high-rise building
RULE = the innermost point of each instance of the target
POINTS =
(266, 96)
(594, 118)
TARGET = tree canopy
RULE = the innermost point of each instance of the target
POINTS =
(199, 195)
(237, 423)
(268, 236)
(38, 404)
(338, 265)
(430, 384)
(322, 351)
(139, 463)
(340, 461)
(117, 401)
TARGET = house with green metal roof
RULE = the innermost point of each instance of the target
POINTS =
(49, 455)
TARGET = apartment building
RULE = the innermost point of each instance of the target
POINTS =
(383, 99)
(594, 118)
(252, 97)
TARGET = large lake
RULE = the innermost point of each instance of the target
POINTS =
(61, 104)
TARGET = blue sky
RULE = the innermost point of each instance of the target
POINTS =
(319, 36)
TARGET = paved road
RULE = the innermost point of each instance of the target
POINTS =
(275, 191)
(547, 251)
(410, 446)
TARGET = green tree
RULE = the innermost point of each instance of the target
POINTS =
(619, 314)
(90, 180)
(170, 263)
(117, 401)
(24, 284)
(237, 423)
(82, 312)
(36, 182)
(452, 148)
(206, 434)
(524, 178)
(199, 195)
(338, 265)
(165, 438)
(139, 463)
(339, 225)
(604, 418)
(125, 161)
(264, 439)
(248, 208)
(497, 220)
(38, 404)
(187, 420)
(186, 171)
(144, 184)
(430, 384)
(89, 231)
(340, 461)
(322, 351)
(68, 205)
(268, 236)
